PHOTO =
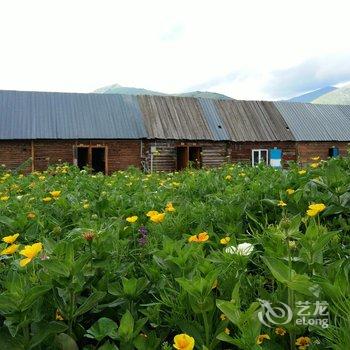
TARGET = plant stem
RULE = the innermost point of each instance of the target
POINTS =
(206, 328)
(290, 295)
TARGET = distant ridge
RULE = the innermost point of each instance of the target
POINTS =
(118, 89)
(339, 96)
(313, 95)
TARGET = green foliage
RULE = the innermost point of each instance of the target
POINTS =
(102, 282)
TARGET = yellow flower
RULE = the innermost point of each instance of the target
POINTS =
(30, 252)
(314, 165)
(227, 331)
(315, 158)
(292, 244)
(41, 178)
(158, 217)
(280, 331)
(201, 237)
(31, 216)
(225, 240)
(282, 204)
(47, 199)
(4, 198)
(86, 206)
(152, 213)
(169, 207)
(302, 172)
(58, 315)
(241, 174)
(315, 209)
(223, 317)
(10, 239)
(228, 178)
(261, 338)
(132, 219)
(10, 249)
(303, 342)
(183, 342)
(55, 194)
(290, 191)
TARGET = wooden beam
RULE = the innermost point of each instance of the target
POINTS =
(32, 155)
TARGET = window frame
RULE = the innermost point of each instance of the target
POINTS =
(261, 159)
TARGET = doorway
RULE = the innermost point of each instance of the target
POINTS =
(186, 156)
(195, 157)
(93, 157)
(82, 157)
(98, 159)
(181, 158)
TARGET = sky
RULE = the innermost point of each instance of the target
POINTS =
(246, 49)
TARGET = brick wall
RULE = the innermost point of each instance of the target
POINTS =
(242, 151)
(15, 153)
(306, 150)
(121, 153)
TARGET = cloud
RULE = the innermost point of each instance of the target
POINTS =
(173, 34)
(216, 81)
(310, 75)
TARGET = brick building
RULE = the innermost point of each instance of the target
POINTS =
(157, 133)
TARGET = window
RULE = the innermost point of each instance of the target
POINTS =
(260, 155)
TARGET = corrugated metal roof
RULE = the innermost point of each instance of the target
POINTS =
(51, 115)
(312, 122)
(253, 121)
(213, 119)
(174, 118)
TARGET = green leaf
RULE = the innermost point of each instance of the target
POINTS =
(126, 327)
(89, 303)
(65, 342)
(104, 327)
(7, 222)
(56, 267)
(45, 330)
(10, 343)
(287, 276)
(7, 304)
(33, 295)
(108, 346)
(279, 270)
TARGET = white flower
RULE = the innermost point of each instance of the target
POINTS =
(19, 197)
(241, 249)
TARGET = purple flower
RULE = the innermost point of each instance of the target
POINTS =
(143, 235)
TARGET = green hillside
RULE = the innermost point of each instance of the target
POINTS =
(205, 94)
(118, 89)
(339, 96)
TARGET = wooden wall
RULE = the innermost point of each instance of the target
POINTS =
(242, 151)
(213, 153)
(307, 150)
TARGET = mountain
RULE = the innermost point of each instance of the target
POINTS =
(339, 96)
(205, 94)
(313, 95)
(118, 89)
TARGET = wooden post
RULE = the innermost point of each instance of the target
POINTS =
(32, 155)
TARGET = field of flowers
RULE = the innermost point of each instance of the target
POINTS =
(200, 259)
